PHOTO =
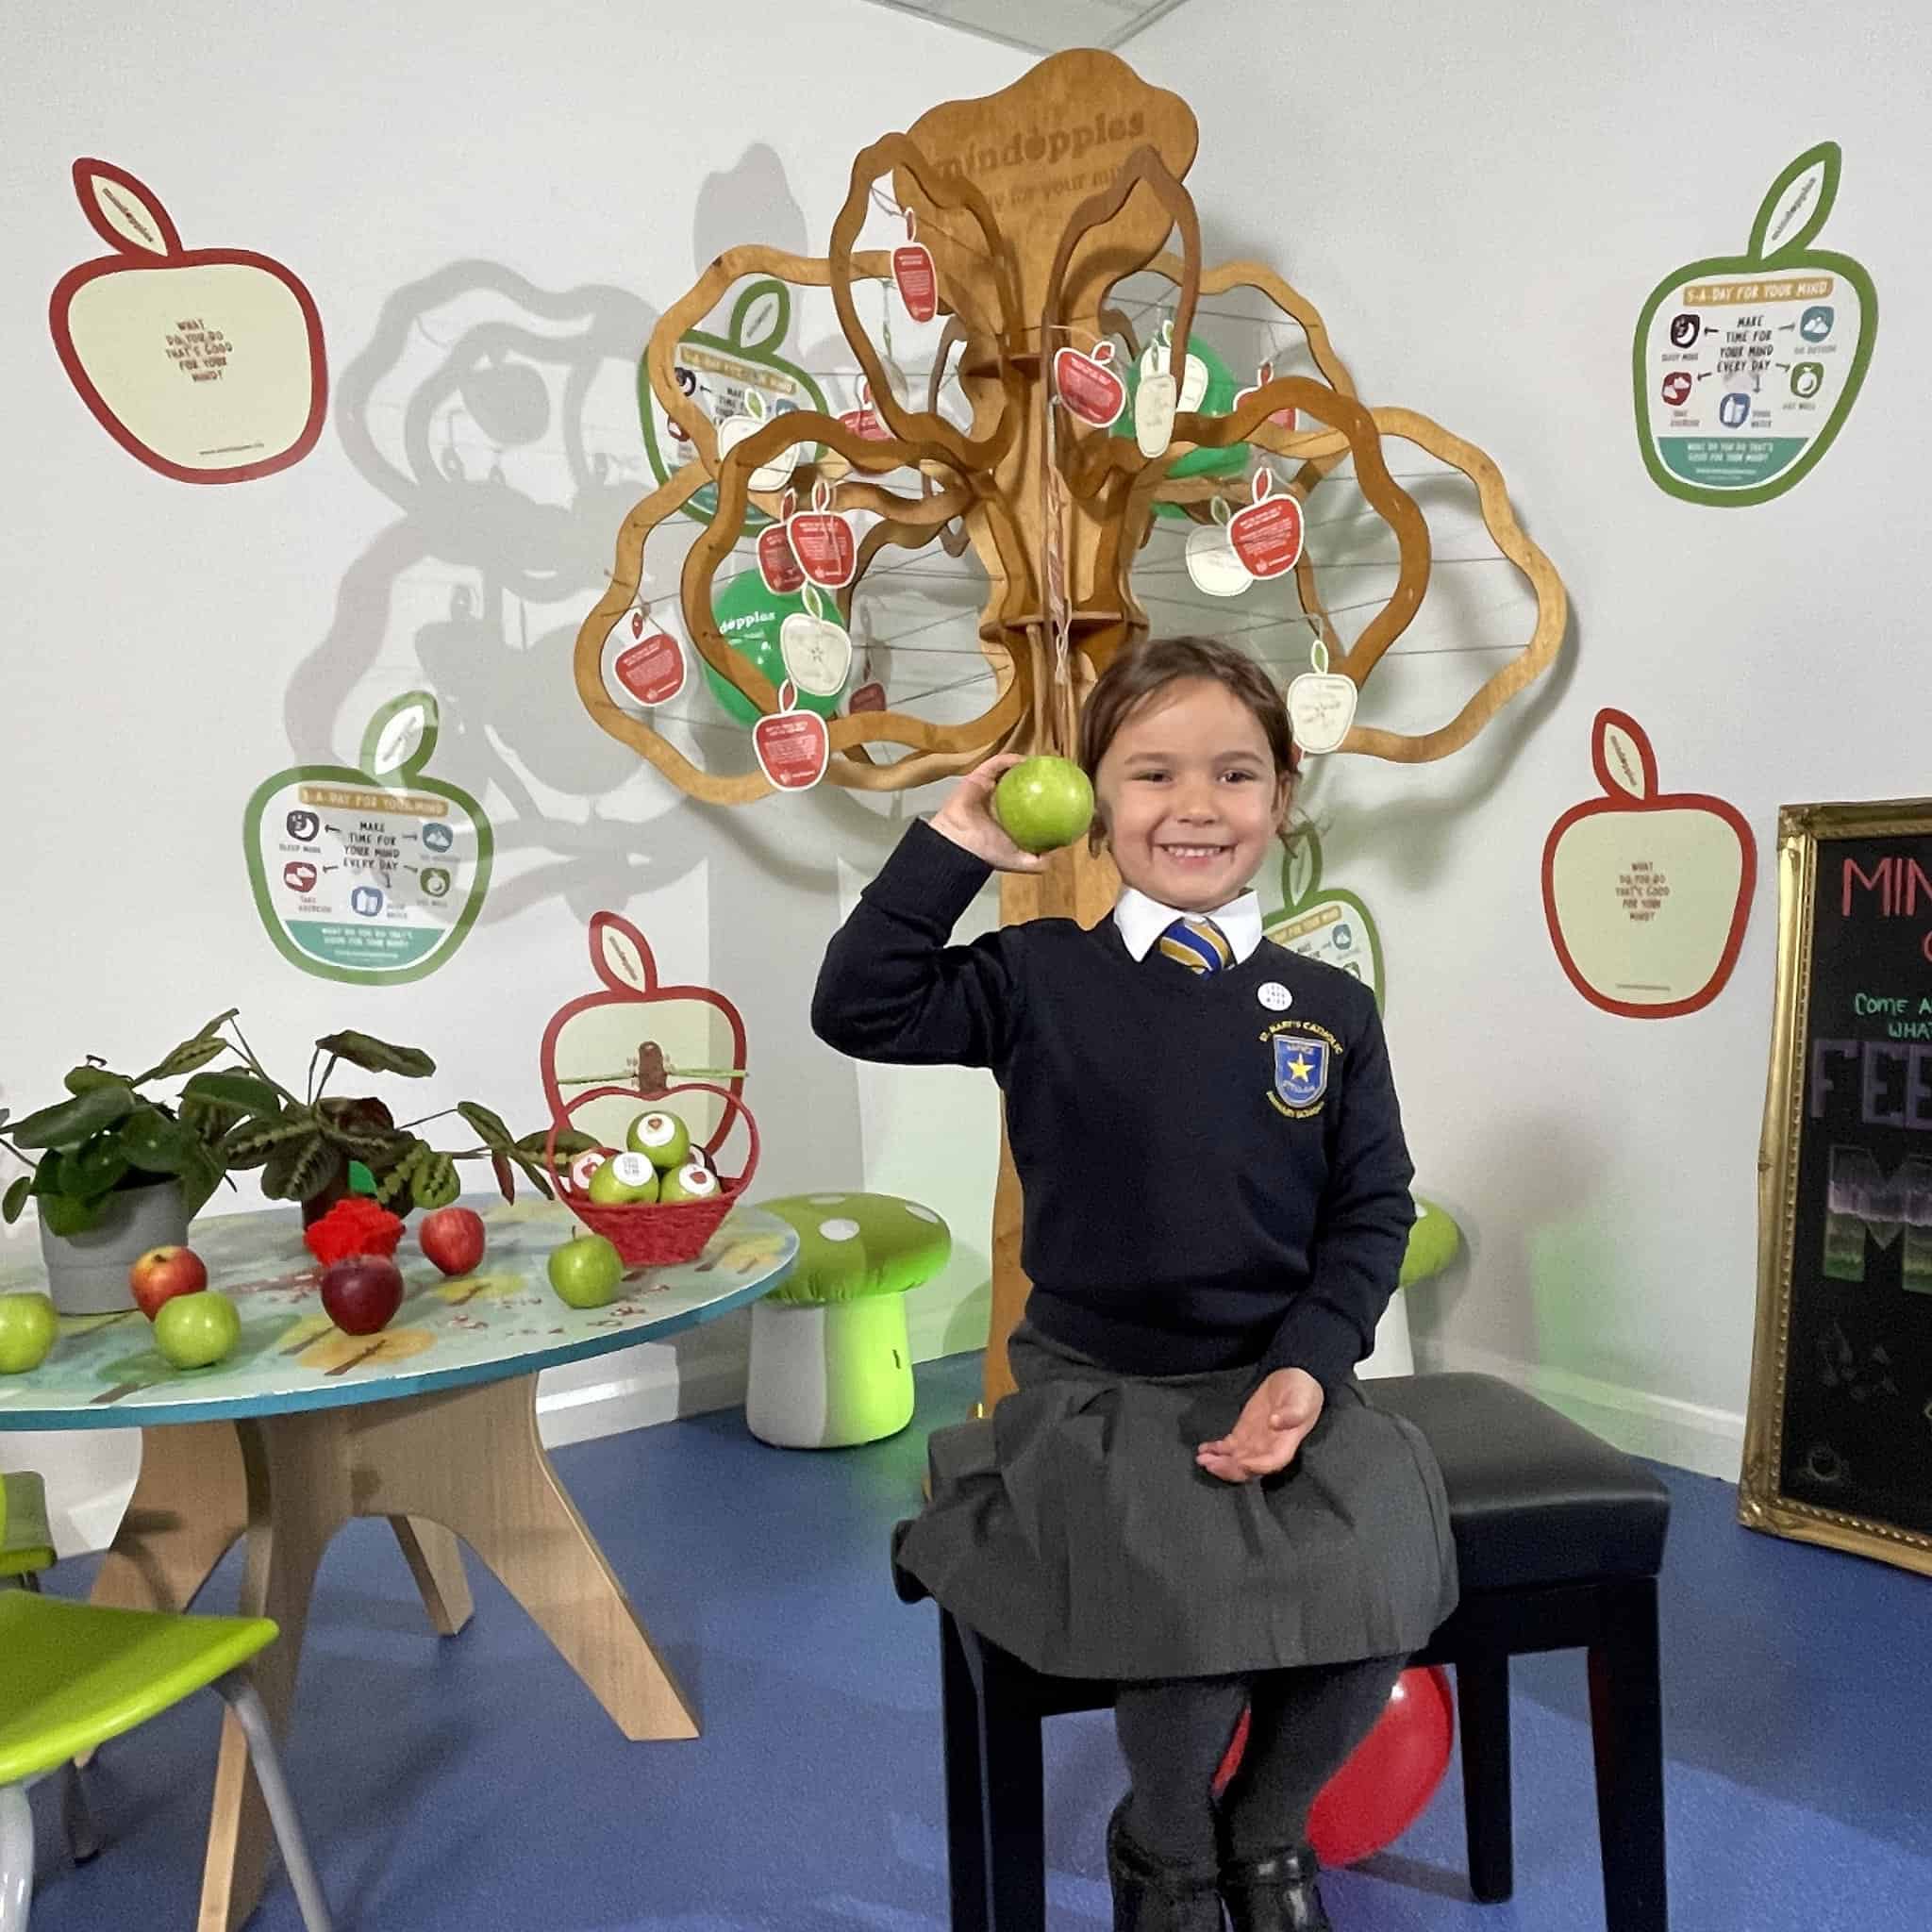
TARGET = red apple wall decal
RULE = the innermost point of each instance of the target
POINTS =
(1646, 893)
(205, 363)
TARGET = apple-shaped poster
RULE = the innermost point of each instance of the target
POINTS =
(1266, 533)
(914, 274)
(821, 540)
(717, 373)
(817, 654)
(1747, 365)
(1321, 704)
(777, 565)
(650, 665)
(1211, 558)
(775, 471)
(205, 363)
(1646, 893)
(1088, 386)
(637, 1032)
(753, 619)
(1324, 923)
(793, 748)
(373, 874)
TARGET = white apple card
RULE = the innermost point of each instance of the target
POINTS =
(1321, 704)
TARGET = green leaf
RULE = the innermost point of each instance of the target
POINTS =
(1797, 204)
(297, 1169)
(375, 1147)
(183, 1059)
(489, 1127)
(93, 1170)
(209, 1120)
(199, 1180)
(248, 1091)
(68, 1122)
(378, 1056)
(570, 1141)
(506, 1176)
(154, 1144)
(85, 1078)
(254, 1140)
(68, 1215)
(17, 1192)
(433, 1179)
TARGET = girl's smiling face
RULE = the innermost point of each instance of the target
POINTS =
(1188, 795)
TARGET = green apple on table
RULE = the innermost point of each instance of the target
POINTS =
(1043, 803)
(27, 1328)
(196, 1331)
(585, 1271)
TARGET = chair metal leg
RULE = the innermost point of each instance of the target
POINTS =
(1013, 1793)
(16, 1858)
(238, 1691)
(966, 1845)
(1626, 1728)
(1482, 1690)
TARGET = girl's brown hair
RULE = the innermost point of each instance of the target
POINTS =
(1143, 670)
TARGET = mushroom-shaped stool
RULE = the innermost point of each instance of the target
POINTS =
(831, 1363)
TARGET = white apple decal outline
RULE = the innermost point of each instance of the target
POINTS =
(1646, 905)
(252, 371)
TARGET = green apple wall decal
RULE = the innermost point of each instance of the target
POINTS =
(721, 374)
(1331, 926)
(371, 873)
(1746, 366)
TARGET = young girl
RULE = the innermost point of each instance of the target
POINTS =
(1189, 1493)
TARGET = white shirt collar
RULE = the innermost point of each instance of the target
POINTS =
(1141, 921)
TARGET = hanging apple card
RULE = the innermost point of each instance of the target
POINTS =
(1282, 419)
(650, 666)
(204, 363)
(793, 748)
(373, 873)
(1155, 359)
(735, 429)
(864, 421)
(776, 564)
(821, 540)
(914, 274)
(1321, 704)
(1267, 533)
(1088, 386)
(1646, 893)
(816, 652)
(868, 696)
(1211, 560)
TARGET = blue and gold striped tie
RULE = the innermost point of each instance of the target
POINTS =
(1198, 945)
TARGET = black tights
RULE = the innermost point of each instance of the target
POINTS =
(1305, 1726)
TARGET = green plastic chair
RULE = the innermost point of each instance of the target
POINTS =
(72, 1677)
(25, 1545)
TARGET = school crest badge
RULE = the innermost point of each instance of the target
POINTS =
(1301, 1069)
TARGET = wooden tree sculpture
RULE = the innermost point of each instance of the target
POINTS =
(1036, 203)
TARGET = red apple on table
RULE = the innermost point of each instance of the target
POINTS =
(453, 1239)
(205, 363)
(361, 1292)
(161, 1274)
(1646, 893)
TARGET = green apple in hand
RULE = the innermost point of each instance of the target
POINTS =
(196, 1331)
(1043, 803)
(586, 1271)
(624, 1181)
(661, 1137)
(27, 1328)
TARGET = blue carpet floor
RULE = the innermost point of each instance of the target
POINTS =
(474, 1784)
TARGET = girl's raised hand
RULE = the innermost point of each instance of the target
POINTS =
(966, 818)
(1269, 1433)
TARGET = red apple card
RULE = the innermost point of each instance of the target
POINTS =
(793, 748)
(1646, 893)
(1321, 704)
(864, 421)
(776, 564)
(1283, 419)
(821, 540)
(912, 272)
(1267, 533)
(1088, 386)
(651, 667)
(868, 697)
(204, 363)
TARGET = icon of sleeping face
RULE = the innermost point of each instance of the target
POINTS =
(1685, 329)
(303, 825)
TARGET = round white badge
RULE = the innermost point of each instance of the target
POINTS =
(1275, 996)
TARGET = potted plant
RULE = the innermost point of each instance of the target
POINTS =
(114, 1171)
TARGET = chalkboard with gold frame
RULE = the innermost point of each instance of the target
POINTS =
(1838, 1445)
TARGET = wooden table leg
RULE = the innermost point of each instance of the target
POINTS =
(189, 1503)
(436, 1561)
(470, 1460)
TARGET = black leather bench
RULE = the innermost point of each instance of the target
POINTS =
(1559, 1540)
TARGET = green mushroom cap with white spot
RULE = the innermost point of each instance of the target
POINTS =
(853, 1245)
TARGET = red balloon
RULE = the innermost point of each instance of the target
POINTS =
(1389, 1782)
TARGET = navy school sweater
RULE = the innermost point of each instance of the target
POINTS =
(1214, 1169)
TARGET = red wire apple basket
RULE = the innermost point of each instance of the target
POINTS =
(656, 1234)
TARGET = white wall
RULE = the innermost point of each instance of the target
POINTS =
(1479, 200)
(168, 647)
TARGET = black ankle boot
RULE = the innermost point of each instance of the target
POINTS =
(1151, 1896)
(1274, 1894)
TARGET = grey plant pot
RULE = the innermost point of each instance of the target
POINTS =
(87, 1273)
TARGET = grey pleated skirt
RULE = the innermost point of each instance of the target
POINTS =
(1073, 1528)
